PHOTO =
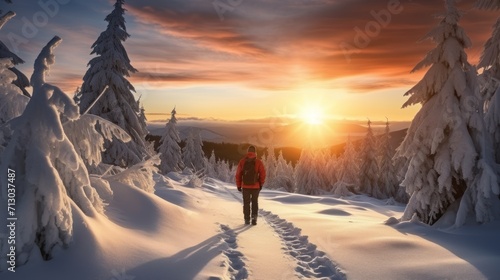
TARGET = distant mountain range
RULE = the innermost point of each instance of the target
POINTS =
(226, 138)
(266, 133)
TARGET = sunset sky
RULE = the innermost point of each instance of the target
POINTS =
(261, 58)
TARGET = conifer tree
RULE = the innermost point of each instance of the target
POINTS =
(188, 151)
(224, 171)
(490, 64)
(284, 175)
(171, 154)
(12, 101)
(111, 67)
(301, 174)
(331, 170)
(21, 81)
(369, 170)
(192, 154)
(348, 169)
(449, 157)
(49, 173)
(211, 166)
(199, 160)
(316, 174)
(387, 180)
(270, 165)
(308, 173)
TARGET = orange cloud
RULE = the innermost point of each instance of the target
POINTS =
(263, 43)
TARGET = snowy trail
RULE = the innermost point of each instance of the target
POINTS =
(311, 263)
(236, 268)
(258, 246)
(253, 252)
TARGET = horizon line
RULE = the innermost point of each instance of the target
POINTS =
(194, 118)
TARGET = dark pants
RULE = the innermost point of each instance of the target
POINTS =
(250, 196)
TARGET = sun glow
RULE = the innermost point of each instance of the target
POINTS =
(313, 116)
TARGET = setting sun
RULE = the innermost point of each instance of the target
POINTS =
(312, 116)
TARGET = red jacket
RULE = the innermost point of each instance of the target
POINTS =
(259, 169)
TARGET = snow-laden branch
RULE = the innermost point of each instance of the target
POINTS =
(5, 18)
(139, 175)
(42, 63)
(88, 138)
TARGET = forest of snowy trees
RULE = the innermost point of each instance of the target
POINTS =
(448, 164)
(59, 151)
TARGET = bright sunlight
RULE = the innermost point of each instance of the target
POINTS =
(312, 115)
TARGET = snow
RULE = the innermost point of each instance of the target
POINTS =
(106, 78)
(171, 153)
(12, 101)
(135, 223)
(196, 232)
(192, 154)
(447, 147)
(49, 175)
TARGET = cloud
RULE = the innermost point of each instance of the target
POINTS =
(270, 45)
(198, 23)
(271, 39)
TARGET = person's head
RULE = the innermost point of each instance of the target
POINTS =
(251, 149)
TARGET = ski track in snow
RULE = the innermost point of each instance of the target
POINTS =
(236, 267)
(311, 263)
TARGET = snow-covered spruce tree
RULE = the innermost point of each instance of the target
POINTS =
(348, 171)
(188, 156)
(150, 145)
(12, 101)
(224, 171)
(211, 166)
(231, 172)
(449, 156)
(171, 154)
(142, 111)
(490, 63)
(48, 171)
(284, 175)
(302, 171)
(199, 159)
(110, 68)
(82, 132)
(192, 153)
(388, 182)
(323, 157)
(88, 134)
(331, 170)
(489, 80)
(369, 170)
(21, 81)
(308, 174)
(270, 165)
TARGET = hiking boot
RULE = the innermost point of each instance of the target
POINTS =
(254, 221)
(247, 222)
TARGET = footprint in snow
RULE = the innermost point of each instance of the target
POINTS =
(236, 267)
(311, 262)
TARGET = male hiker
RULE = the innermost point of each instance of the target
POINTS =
(250, 178)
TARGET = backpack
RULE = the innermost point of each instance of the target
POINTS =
(249, 174)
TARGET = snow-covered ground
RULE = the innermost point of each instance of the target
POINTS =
(188, 231)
